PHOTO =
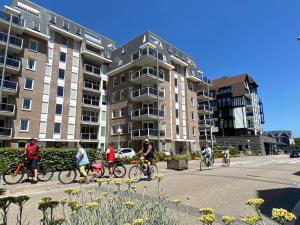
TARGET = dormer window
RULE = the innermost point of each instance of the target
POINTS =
(66, 25)
(78, 30)
(52, 19)
(36, 26)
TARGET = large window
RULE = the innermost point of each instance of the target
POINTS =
(62, 57)
(61, 74)
(175, 82)
(177, 129)
(26, 104)
(57, 127)
(64, 40)
(33, 45)
(24, 125)
(36, 26)
(58, 109)
(60, 91)
(194, 131)
(28, 85)
(31, 64)
(176, 97)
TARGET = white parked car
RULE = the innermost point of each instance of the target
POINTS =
(125, 152)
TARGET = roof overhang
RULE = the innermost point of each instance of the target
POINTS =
(94, 45)
(120, 69)
(12, 10)
(65, 33)
(179, 61)
(36, 34)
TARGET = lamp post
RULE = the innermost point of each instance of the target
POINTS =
(222, 122)
(119, 131)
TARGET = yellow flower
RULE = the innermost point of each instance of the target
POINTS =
(130, 181)
(156, 204)
(91, 192)
(80, 180)
(107, 180)
(76, 191)
(207, 218)
(138, 221)
(127, 223)
(91, 205)
(63, 201)
(118, 182)
(251, 220)
(46, 199)
(69, 190)
(105, 194)
(228, 220)
(74, 205)
(255, 202)
(115, 192)
(206, 211)
(159, 177)
(129, 204)
(176, 201)
(133, 188)
(282, 215)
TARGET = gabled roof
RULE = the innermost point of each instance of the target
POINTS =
(278, 133)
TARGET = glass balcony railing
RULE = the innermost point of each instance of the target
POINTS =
(92, 86)
(15, 41)
(10, 62)
(145, 72)
(204, 94)
(147, 112)
(140, 133)
(9, 85)
(91, 102)
(15, 20)
(92, 69)
(205, 107)
(205, 122)
(10, 108)
(88, 136)
(148, 51)
(89, 119)
(148, 91)
(5, 131)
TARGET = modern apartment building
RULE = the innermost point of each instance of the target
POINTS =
(153, 89)
(54, 84)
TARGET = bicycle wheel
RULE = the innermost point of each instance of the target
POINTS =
(228, 162)
(135, 173)
(119, 171)
(154, 171)
(13, 175)
(67, 177)
(202, 164)
(224, 162)
(45, 173)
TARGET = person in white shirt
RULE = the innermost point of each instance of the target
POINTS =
(207, 153)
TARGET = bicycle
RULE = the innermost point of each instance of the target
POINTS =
(225, 161)
(69, 176)
(204, 162)
(13, 174)
(136, 171)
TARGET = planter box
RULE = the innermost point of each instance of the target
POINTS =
(177, 164)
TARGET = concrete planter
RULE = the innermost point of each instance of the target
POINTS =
(177, 164)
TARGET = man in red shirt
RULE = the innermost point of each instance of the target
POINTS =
(32, 154)
(110, 156)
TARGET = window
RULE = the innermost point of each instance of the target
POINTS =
(60, 91)
(52, 19)
(28, 85)
(57, 128)
(64, 40)
(122, 79)
(26, 104)
(61, 74)
(114, 113)
(24, 125)
(114, 82)
(58, 109)
(36, 26)
(78, 30)
(177, 129)
(31, 64)
(177, 113)
(192, 101)
(103, 116)
(104, 86)
(62, 57)
(191, 86)
(193, 115)
(122, 95)
(66, 24)
(123, 50)
(33, 45)
(102, 131)
(103, 99)
(176, 82)
(194, 131)
(122, 112)
(113, 130)
(176, 97)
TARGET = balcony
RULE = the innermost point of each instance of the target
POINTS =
(9, 87)
(149, 56)
(200, 79)
(91, 103)
(147, 114)
(147, 94)
(92, 70)
(7, 110)
(205, 109)
(94, 54)
(147, 75)
(205, 123)
(147, 133)
(15, 43)
(5, 132)
(12, 65)
(207, 138)
(89, 120)
(204, 96)
(89, 86)
(88, 136)
(17, 22)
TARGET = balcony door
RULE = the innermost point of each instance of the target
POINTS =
(148, 125)
(146, 105)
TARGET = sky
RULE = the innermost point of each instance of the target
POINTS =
(225, 37)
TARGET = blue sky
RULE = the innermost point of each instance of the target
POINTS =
(226, 37)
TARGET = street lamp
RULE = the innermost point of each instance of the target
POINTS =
(222, 122)
(119, 131)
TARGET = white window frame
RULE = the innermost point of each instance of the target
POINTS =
(66, 23)
(31, 86)
(37, 45)
(50, 18)
(29, 105)
(28, 123)
(39, 28)
(27, 66)
(192, 101)
(54, 128)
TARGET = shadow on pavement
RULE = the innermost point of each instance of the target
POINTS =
(285, 198)
(297, 173)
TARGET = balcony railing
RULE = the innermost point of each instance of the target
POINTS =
(205, 122)
(205, 107)
(147, 112)
(147, 91)
(89, 119)
(10, 62)
(150, 52)
(8, 84)
(249, 114)
(92, 86)
(88, 136)
(91, 102)
(204, 94)
(140, 133)
(205, 79)
(15, 20)
(15, 41)
(7, 132)
(147, 71)
(92, 69)
(10, 108)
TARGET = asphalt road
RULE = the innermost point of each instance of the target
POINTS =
(273, 178)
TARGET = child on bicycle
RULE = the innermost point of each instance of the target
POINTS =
(82, 161)
(226, 153)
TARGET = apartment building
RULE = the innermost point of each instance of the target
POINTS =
(54, 84)
(153, 90)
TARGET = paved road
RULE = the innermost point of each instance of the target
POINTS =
(274, 178)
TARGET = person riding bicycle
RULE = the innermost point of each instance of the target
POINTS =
(82, 160)
(110, 157)
(207, 153)
(32, 154)
(226, 153)
(148, 153)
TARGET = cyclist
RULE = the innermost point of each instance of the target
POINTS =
(32, 154)
(81, 161)
(110, 157)
(148, 153)
(207, 153)
(226, 154)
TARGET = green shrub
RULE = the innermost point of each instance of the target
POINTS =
(219, 148)
(182, 156)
